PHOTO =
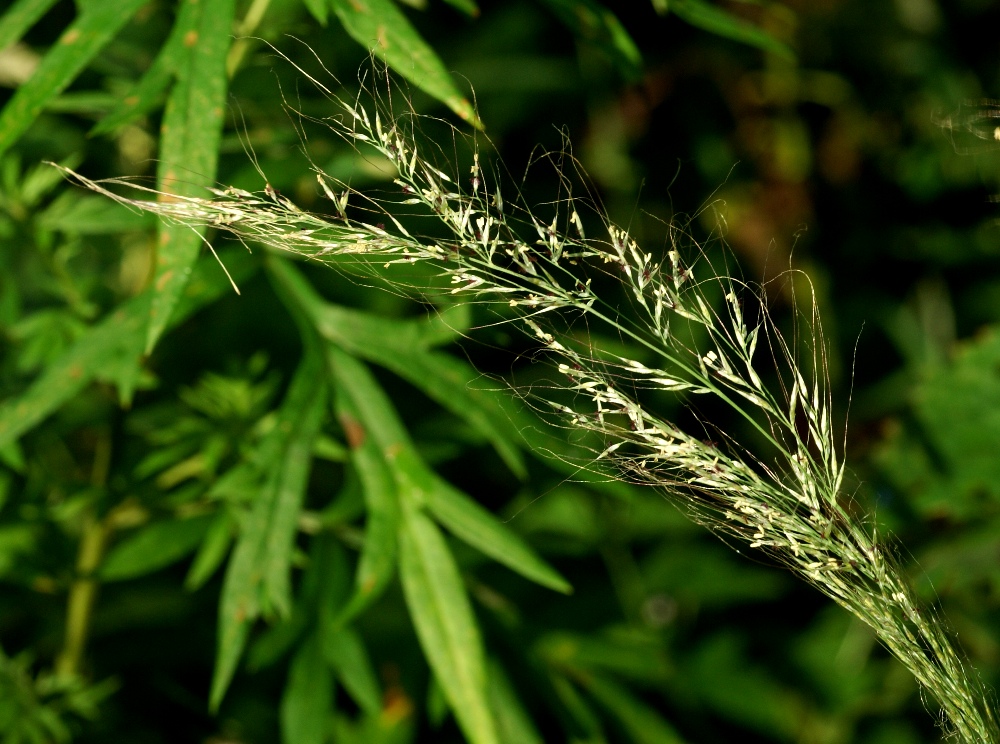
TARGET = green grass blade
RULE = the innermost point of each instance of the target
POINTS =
(153, 547)
(593, 22)
(86, 36)
(474, 525)
(307, 702)
(148, 92)
(381, 27)
(717, 21)
(189, 148)
(377, 563)
(19, 17)
(445, 624)
(346, 653)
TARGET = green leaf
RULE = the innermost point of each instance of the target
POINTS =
(189, 149)
(402, 346)
(153, 547)
(150, 89)
(19, 17)
(319, 9)
(346, 653)
(257, 576)
(86, 36)
(642, 723)
(593, 22)
(381, 27)
(476, 526)
(445, 624)
(513, 721)
(377, 563)
(468, 7)
(307, 702)
(462, 516)
(110, 349)
(212, 552)
(717, 21)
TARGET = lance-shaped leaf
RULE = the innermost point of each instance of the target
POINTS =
(257, 576)
(404, 347)
(465, 518)
(96, 25)
(445, 624)
(189, 147)
(154, 546)
(307, 702)
(721, 22)
(381, 27)
(377, 563)
(155, 81)
(595, 23)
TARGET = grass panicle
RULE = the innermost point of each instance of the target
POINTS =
(790, 504)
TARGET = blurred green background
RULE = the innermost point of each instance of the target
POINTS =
(179, 502)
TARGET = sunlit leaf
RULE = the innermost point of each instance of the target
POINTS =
(445, 624)
(381, 27)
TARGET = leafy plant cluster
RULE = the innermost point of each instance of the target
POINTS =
(307, 494)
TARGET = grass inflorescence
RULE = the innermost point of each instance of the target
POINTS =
(790, 504)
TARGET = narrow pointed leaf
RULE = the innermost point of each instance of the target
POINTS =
(212, 552)
(381, 27)
(462, 516)
(402, 346)
(476, 526)
(592, 21)
(513, 721)
(377, 563)
(189, 148)
(445, 624)
(94, 27)
(150, 89)
(153, 547)
(307, 702)
(346, 653)
(721, 22)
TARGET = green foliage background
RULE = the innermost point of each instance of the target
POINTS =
(202, 537)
